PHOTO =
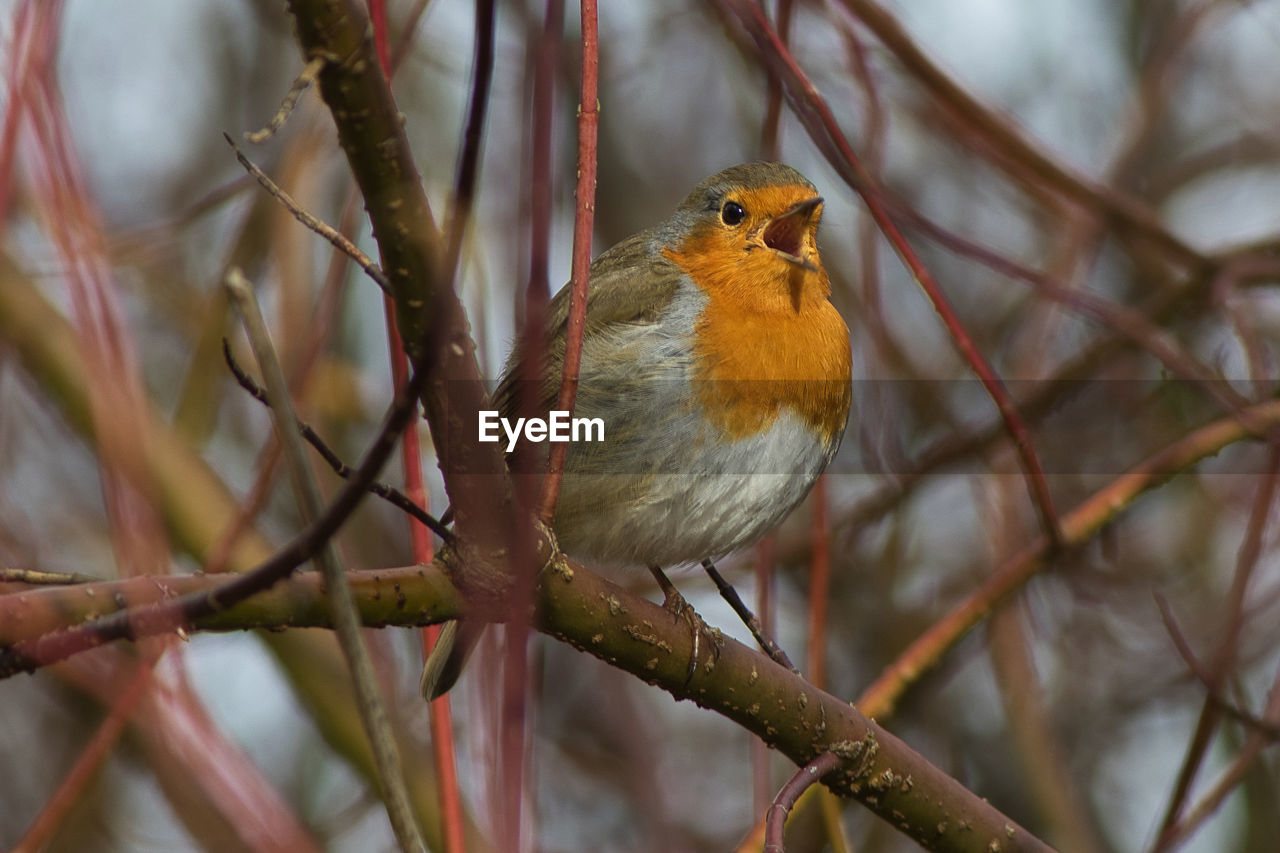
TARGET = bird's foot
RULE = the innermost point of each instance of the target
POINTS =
(701, 633)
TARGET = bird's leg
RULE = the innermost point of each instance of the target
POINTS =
(729, 594)
(675, 603)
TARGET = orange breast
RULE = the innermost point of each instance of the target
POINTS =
(768, 340)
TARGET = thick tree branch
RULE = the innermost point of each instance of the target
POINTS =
(408, 596)
(199, 510)
(745, 686)
(429, 316)
(634, 634)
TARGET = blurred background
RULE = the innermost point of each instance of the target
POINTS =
(1072, 710)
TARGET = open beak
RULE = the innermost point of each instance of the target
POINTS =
(785, 232)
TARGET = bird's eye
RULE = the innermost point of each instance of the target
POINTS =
(732, 213)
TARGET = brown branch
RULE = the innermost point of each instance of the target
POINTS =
(369, 701)
(300, 85)
(639, 636)
(782, 805)
(788, 713)
(429, 316)
(989, 126)
(29, 655)
(408, 596)
(1210, 680)
(1224, 657)
(630, 632)
(390, 494)
(328, 232)
(1078, 526)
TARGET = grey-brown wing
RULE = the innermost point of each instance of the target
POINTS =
(630, 284)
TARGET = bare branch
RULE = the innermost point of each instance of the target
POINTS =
(300, 85)
(328, 232)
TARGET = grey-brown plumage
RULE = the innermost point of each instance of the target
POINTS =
(719, 369)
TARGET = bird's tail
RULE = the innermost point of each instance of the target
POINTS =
(448, 656)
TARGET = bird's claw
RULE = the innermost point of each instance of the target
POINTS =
(676, 604)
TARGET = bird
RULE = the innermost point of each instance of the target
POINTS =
(720, 369)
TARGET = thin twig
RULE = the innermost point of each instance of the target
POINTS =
(390, 494)
(584, 217)
(1206, 677)
(328, 232)
(993, 128)
(1078, 526)
(816, 115)
(346, 620)
(1224, 657)
(1232, 777)
(174, 614)
(464, 183)
(443, 752)
(771, 132)
(37, 577)
(92, 755)
(762, 638)
(819, 585)
(776, 819)
(300, 85)
(1122, 320)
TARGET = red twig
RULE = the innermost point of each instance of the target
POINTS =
(1260, 725)
(1013, 146)
(176, 613)
(588, 124)
(401, 50)
(544, 79)
(770, 135)
(760, 753)
(819, 583)
(776, 819)
(1225, 655)
(441, 718)
(23, 43)
(378, 19)
(818, 119)
(511, 719)
(1124, 321)
(91, 757)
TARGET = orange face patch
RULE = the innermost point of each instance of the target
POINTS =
(769, 339)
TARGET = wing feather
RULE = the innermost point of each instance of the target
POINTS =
(631, 284)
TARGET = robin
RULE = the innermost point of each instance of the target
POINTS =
(720, 370)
